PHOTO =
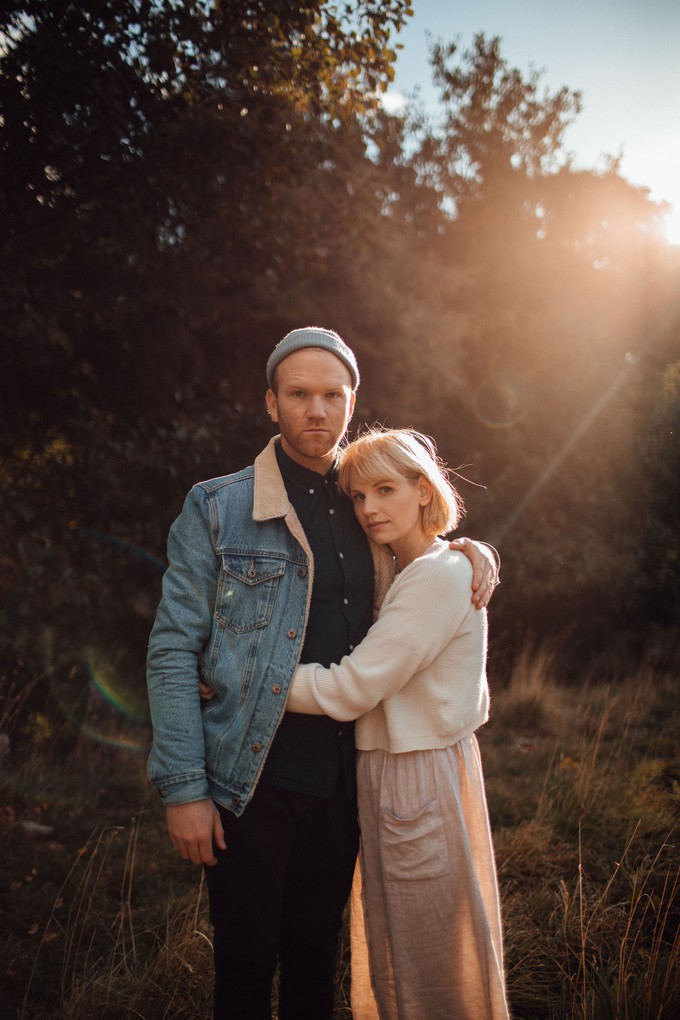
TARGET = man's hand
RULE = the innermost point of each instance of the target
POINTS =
(193, 827)
(485, 569)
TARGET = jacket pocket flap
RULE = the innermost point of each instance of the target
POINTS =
(253, 569)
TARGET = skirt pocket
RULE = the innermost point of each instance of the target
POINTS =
(414, 849)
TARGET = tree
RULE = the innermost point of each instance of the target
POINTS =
(546, 284)
(181, 182)
(155, 135)
(162, 171)
(499, 132)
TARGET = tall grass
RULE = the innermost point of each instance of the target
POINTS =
(119, 962)
(583, 781)
(589, 864)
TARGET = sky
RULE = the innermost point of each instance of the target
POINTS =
(622, 55)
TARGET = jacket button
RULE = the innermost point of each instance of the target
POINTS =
(292, 633)
(257, 746)
(236, 800)
(302, 572)
(276, 689)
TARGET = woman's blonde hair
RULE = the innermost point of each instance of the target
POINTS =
(379, 453)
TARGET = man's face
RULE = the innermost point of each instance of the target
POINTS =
(313, 406)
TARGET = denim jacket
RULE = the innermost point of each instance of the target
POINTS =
(233, 612)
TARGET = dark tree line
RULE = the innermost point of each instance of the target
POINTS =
(181, 183)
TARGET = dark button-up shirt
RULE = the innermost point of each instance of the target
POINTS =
(308, 751)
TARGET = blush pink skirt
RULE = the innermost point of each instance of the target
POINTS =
(426, 926)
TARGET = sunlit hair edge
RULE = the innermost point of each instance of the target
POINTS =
(379, 453)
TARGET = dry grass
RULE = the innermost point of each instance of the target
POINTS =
(584, 790)
(587, 846)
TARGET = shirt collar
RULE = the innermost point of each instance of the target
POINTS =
(301, 476)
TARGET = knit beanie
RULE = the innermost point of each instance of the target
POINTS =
(313, 336)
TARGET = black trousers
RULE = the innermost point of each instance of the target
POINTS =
(277, 895)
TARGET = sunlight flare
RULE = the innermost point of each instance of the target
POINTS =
(672, 225)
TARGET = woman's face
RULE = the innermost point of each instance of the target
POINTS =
(389, 509)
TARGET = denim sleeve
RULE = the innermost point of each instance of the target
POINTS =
(180, 633)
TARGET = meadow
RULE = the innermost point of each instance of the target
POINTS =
(99, 919)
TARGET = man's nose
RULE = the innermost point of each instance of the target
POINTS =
(316, 407)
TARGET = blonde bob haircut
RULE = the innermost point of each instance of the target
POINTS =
(379, 453)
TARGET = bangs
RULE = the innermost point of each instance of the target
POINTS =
(381, 454)
(365, 461)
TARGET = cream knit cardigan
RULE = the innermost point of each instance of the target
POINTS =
(418, 679)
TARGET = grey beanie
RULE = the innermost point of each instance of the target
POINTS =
(313, 336)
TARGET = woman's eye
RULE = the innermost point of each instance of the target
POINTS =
(385, 489)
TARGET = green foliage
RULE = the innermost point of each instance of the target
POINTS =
(148, 165)
(180, 183)
(500, 132)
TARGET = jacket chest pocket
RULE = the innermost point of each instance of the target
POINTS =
(247, 591)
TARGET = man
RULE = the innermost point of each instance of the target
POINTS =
(269, 567)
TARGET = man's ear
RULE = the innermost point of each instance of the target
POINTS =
(272, 405)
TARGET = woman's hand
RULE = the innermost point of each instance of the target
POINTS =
(206, 693)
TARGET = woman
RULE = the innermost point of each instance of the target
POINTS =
(417, 687)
